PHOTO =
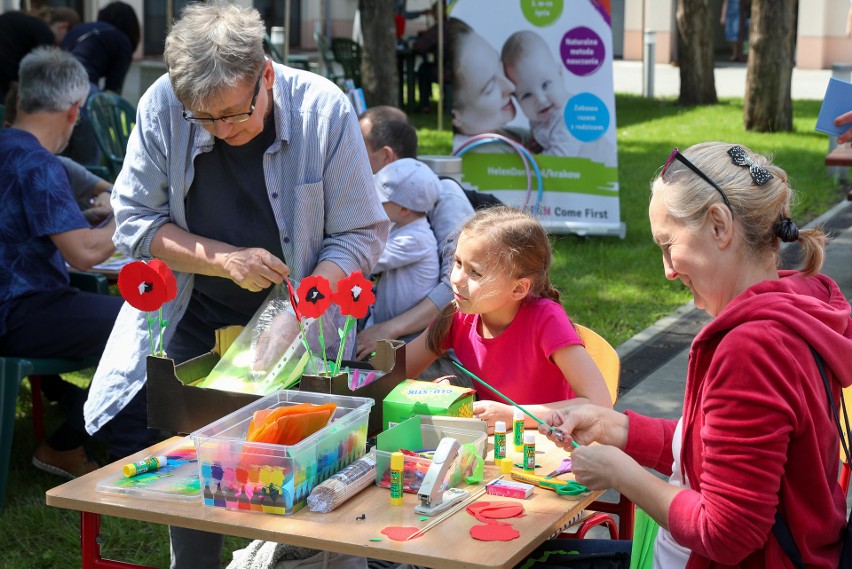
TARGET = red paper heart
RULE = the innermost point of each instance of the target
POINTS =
(494, 532)
(400, 533)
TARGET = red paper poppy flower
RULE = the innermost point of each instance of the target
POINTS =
(314, 296)
(142, 286)
(354, 295)
(168, 277)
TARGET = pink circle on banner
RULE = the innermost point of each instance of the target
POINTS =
(582, 51)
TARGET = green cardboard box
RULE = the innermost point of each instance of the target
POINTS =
(412, 397)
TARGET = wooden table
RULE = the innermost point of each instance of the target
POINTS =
(339, 531)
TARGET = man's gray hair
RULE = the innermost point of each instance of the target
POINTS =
(51, 80)
(211, 49)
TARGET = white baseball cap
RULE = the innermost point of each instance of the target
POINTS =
(409, 183)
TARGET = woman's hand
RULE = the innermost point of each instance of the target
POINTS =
(490, 411)
(586, 424)
(255, 269)
(274, 341)
(599, 467)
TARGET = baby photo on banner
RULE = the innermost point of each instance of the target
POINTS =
(533, 108)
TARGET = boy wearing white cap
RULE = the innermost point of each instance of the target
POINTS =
(409, 266)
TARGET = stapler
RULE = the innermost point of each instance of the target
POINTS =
(433, 498)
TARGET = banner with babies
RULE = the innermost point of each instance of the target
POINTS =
(533, 108)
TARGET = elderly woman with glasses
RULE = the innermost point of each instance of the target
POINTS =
(756, 449)
(239, 173)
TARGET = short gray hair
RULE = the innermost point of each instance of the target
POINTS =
(213, 48)
(51, 80)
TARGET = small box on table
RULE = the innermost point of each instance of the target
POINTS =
(412, 397)
(277, 479)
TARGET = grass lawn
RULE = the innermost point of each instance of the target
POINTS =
(613, 286)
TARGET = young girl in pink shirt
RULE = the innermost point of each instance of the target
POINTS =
(506, 324)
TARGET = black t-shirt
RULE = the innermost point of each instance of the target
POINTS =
(228, 202)
(20, 33)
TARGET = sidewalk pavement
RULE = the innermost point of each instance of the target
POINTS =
(730, 80)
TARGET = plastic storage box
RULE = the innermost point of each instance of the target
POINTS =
(277, 479)
(415, 467)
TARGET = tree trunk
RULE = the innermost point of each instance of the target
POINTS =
(768, 106)
(378, 57)
(695, 53)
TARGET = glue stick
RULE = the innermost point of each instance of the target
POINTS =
(499, 441)
(506, 465)
(529, 451)
(147, 465)
(397, 463)
(518, 430)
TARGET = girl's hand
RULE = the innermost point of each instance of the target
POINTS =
(445, 379)
(490, 411)
(599, 467)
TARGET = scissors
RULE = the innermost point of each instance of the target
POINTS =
(564, 466)
(561, 487)
(564, 487)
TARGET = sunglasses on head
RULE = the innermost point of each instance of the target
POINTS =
(676, 155)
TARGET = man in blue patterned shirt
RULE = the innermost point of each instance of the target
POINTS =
(42, 228)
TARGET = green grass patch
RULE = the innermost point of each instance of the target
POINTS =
(614, 286)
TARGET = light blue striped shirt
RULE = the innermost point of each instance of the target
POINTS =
(320, 187)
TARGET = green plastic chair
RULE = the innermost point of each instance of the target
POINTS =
(14, 370)
(273, 52)
(348, 54)
(112, 119)
(328, 60)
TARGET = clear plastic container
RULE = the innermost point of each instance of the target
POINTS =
(277, 479)
(415, 467)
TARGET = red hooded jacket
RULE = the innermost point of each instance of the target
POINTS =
(757, 434)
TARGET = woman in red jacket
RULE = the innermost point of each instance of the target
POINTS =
(755, 437)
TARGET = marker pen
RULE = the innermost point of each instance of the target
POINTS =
(147, 465)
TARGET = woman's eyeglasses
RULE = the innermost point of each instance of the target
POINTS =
(232, 119)
(676, 155)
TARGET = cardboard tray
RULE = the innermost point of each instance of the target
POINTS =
(176, 406)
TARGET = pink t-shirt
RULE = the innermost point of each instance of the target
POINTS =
(517, 362)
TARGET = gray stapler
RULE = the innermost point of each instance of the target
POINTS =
(433, 498)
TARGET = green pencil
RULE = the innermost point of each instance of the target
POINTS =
(495, 390)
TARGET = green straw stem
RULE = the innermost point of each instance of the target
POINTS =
(322, 346)
(347, 328)
(497, 391)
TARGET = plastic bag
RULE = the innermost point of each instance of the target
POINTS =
(270, 353)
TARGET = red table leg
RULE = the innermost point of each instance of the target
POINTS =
(90, 547)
